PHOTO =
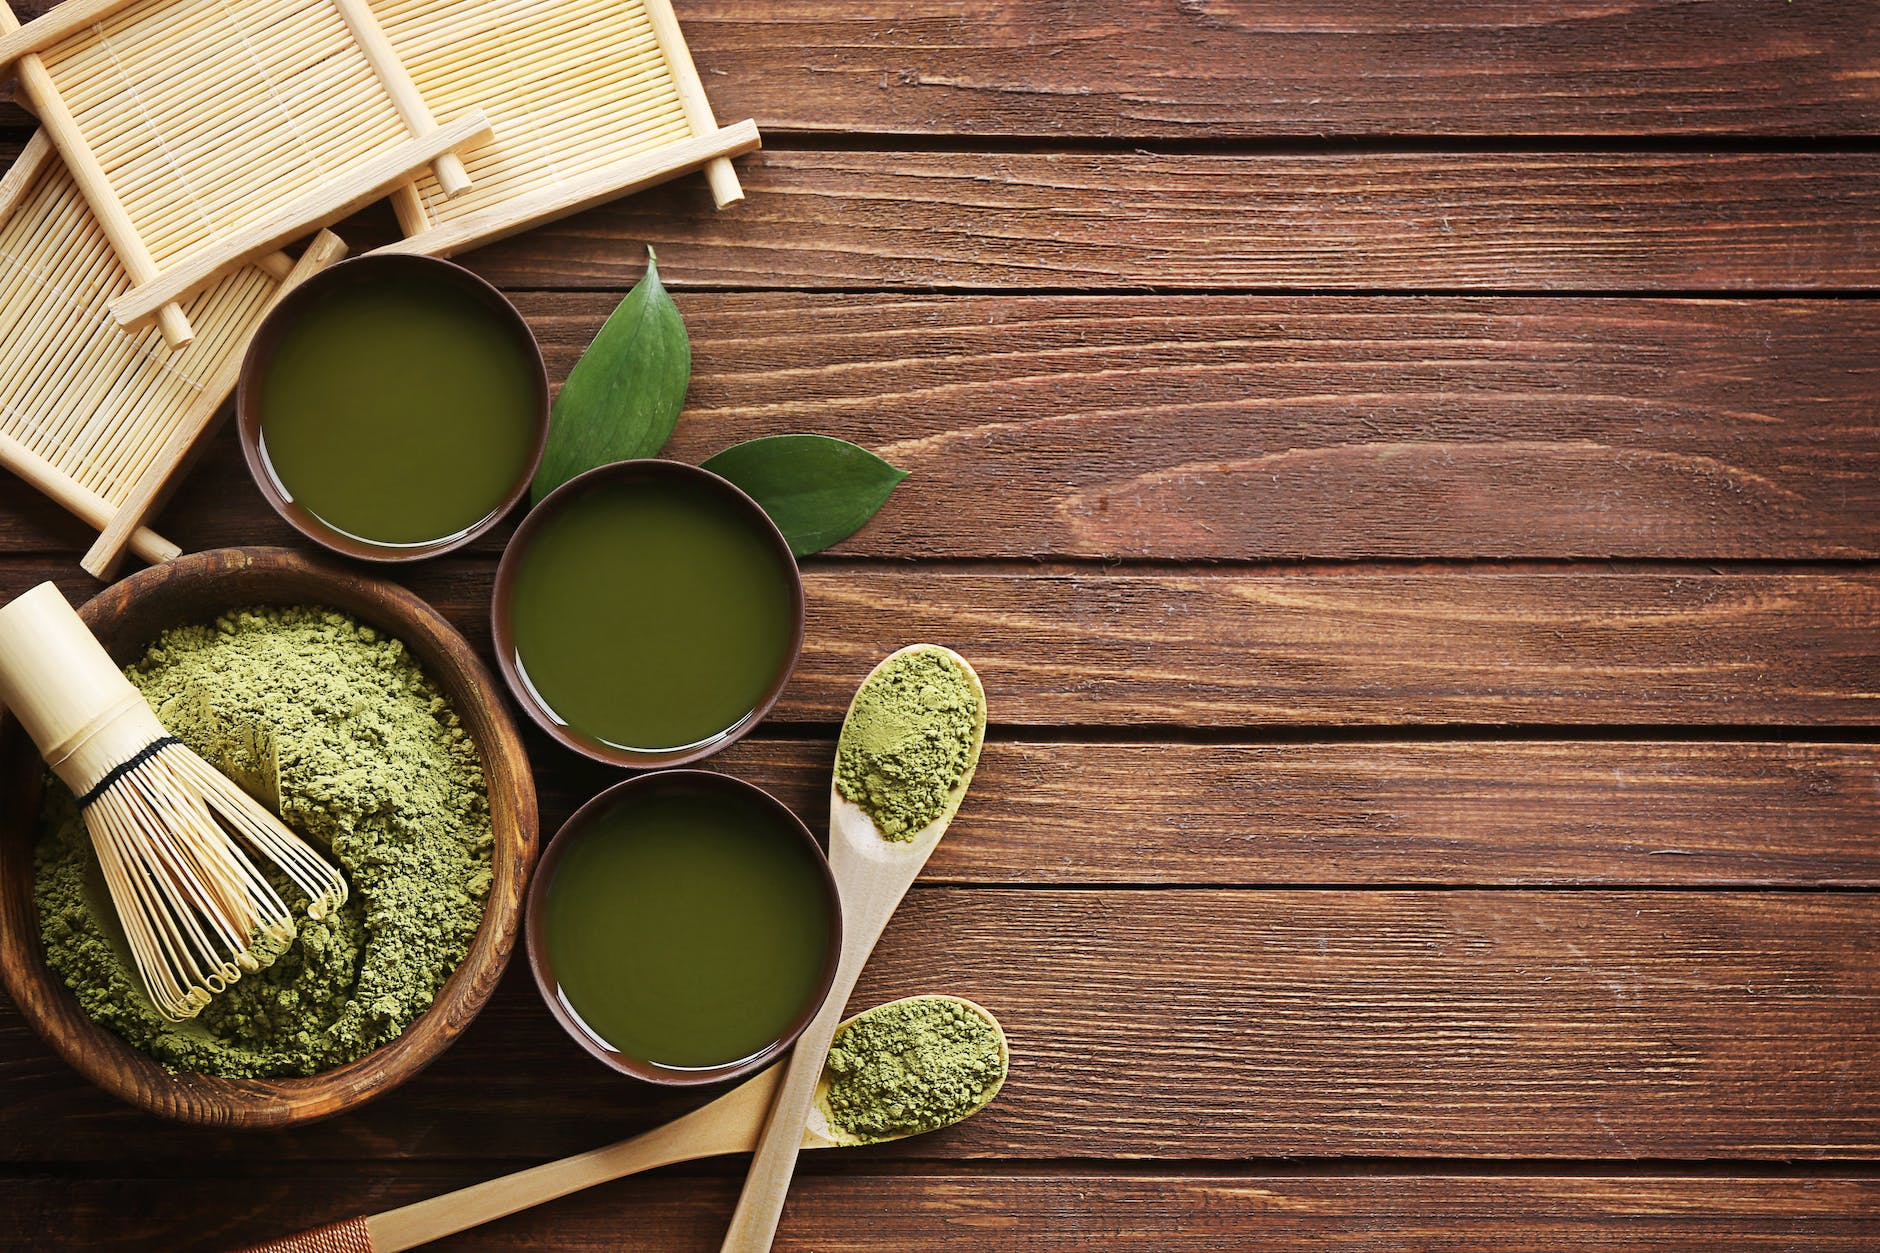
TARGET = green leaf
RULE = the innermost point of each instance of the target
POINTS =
(819, 491)
(624, 395)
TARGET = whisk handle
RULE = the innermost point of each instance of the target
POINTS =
(64, 688)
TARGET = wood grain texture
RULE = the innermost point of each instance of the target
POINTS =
(1493, 1024)
(1038, 68)
(1220, 69)
(1237, 650)
(950, 1211)
(1569, 221)
(1608, 813)
(1375, 947)
(1133, 650)
(1234, 428)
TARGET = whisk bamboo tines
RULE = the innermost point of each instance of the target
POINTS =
(174, 836)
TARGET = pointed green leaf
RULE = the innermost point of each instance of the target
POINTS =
(819, 491)
(624, 395)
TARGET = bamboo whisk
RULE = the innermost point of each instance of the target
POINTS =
(165, 824)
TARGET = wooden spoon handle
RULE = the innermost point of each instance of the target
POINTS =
(728, 1125)
(760, 1205)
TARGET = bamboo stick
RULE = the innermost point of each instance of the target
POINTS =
(393, 76)
(448, 169)
(87, 506)
(23, 173)
(561, 199)
(514, 167)
(62, 20)
(698, 110)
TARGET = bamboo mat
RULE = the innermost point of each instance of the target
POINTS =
(588, 99)
(206, 133)
(206, 119)
(98, 417)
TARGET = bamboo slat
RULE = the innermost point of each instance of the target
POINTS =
(98, 418)
(589, 99)
(204, 133)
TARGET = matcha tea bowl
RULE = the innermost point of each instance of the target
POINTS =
(352, 710)
(393, 407)
(647, 614)
(684, 927)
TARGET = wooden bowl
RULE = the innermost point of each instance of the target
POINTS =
(195, 588)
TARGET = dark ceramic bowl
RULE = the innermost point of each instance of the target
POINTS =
(668, 782)
(604, 477)
(376, 268)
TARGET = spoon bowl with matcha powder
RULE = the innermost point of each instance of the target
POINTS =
(901, 1069)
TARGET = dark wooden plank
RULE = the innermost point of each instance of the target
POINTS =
(1219, 69)
(1230, 1024)
(1257, 427)
(1729, 814)
(1210, 428)
(1511, 813)
(1359, 647)
(1599, 221)
(1213, 69)
(1496, 221)
(1076, 1211)
(1452, 647)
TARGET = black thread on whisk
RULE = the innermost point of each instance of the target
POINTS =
(117, 772)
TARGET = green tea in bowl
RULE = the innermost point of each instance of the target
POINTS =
(393, 407)
(647, 613)
(684, 927)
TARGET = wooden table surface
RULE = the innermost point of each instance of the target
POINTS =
(1409, 475)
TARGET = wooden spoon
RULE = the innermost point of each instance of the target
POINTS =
(872, 874)
(729, 1124)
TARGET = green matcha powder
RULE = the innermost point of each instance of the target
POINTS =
(908, 741)
(372, 767)
(911, 1066)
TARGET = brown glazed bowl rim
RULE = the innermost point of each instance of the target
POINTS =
(194, 588)
(627, 791)
(267, 339)
(503, 638)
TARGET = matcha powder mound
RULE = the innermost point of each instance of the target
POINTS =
(369, 763)
(911, 1066)
(908, 741)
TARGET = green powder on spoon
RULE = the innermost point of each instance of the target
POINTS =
(911, 1066)
(908, 741)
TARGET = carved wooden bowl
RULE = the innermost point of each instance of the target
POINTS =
(196, 588)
